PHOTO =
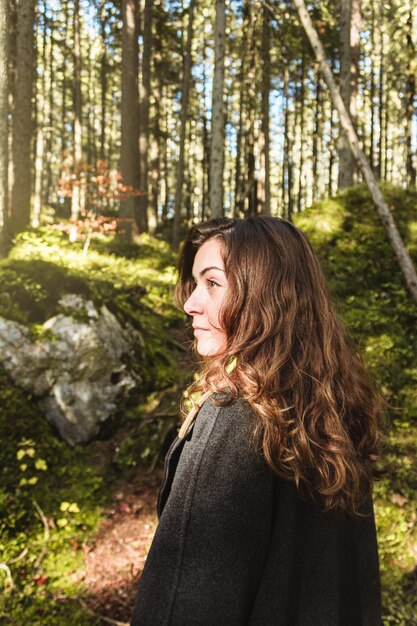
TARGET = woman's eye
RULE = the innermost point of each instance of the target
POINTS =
(212, 283)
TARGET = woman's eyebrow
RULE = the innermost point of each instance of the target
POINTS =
(207, 269)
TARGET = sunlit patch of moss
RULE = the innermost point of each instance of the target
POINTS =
(322, 220)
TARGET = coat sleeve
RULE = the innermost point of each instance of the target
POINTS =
(212, 541)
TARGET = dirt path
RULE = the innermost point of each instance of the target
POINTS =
(115, 561)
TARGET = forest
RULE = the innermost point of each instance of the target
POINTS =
(122, 123)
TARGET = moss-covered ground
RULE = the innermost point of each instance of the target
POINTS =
(53, 498)
(380, 316)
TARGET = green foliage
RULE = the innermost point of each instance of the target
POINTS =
(370, 293)
(367, 284)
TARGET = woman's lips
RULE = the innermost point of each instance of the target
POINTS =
(198, 330)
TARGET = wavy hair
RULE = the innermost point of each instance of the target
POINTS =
(318, 410)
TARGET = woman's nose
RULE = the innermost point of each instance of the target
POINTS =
(193, 305)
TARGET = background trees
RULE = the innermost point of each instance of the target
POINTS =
(4, 92)
(126, 115)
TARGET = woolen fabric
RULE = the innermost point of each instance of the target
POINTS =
(236, 545)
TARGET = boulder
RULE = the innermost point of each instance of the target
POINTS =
(77, 367)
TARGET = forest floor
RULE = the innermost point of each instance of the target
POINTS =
(115, 559)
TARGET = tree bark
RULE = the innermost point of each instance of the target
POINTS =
(384, 213)
(186, 82)
(410, 98)
(40, 131)
(264, 174)
(317, 134)
(345, 156)
(155, 151)
(48, 148)
(129, 148)
(4, 111)
(144, 92)
(217, 113)
(300, 202)
(76, 124)
(381, 98)
(22, 116)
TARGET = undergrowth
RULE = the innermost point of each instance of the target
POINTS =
(381, 318)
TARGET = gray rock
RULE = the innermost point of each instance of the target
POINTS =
(78, 370)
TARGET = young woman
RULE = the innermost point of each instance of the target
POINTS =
(265, 510)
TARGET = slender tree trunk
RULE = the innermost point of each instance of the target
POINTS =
(290, 166)
(205, 165)
(345, 156)
(217, 120)
(186, 81)
(155, 150)
(144, 92)
(410, 98)
(12, 24)
(129, 149)
(48, 149)
(381, 99)
(332, 157)
(355, 49)
(4, 114)
(22, 116)
(64, 88)
(251, 193)
(264, 174)
(300, 203)
(373, 89)
(40, 131)
(167, 190)
(383, 210)
(317, 134)
(285, 155)
(103, 80)
(239, 141)
(77, 124)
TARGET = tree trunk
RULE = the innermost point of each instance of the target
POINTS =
(155, 151)
(373, 89)
(251, 193)
(285, 155)
(383, 210)
(381, 99)
(264, 174)
(317, 134)
(345, 156)
(410, 98)
(64, 88)
(40, 131)
(355, 49)
(48, 149)
(103, 80)
(76, 125)
(239, 139)
(186, 81)
(300, 203)
(4, 111)
(129, 148)
(144, 91)
(217, 109)
(22, 116)
(205, 165)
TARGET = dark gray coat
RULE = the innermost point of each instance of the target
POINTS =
(237, 546)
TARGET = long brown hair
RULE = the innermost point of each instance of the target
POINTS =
(317, 406)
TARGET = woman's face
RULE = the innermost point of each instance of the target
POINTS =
(206, 300)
